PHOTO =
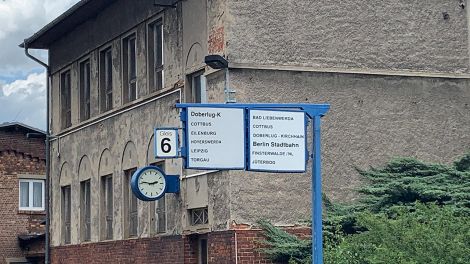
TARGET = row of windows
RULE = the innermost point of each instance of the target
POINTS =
(129, 75)
(106, 218)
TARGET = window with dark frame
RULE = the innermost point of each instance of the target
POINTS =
(66, 213)
(155, 55)
(66, 99)
(160, 206)
(107, 207)
(131, 204)
(85, 210)
(199, 216)
(203, 250)
(129, 68)
(85, 82)
(197, 85)
(106, 80)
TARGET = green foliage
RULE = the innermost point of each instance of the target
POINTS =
(404, 181)
(428, 235)
(284, 247)
(392, 222)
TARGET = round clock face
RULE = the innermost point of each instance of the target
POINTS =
(151, 183)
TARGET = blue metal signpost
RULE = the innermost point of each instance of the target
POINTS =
(314, 113)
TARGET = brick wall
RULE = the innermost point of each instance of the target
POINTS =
(248, 244)
(17, 141)
(171, 249)
(12, 163)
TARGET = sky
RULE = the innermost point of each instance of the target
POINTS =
(23, 81)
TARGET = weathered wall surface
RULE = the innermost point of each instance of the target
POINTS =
(383, 35)
(112, 136)
(18, 155)
(107, 30)
(110, 23)
(372, 119)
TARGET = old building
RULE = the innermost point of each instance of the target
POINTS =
(22, 184)
(396, 74)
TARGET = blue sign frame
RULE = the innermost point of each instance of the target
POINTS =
(314, 112)
(178, 151)
(248, 163)
(185, 149)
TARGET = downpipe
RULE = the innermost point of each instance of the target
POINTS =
(47, 191)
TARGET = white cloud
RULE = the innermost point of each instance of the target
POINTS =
(20, 19)
(22, 88)
(24, 101)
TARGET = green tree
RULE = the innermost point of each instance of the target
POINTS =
(408, 210)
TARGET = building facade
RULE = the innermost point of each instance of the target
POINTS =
(22, 185)
(396, 74)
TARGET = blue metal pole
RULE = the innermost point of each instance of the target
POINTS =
(317, 239)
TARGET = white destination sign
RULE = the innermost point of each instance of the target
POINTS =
(277, 141)
(216, 138)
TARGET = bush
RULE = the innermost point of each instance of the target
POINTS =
(410, 212)
(428, 235)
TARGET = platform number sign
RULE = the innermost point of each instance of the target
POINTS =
(166, 142)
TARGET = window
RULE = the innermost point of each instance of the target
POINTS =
(159, 208)
(155, 55)
(66, 214)
(199, 216)
(198, 88)
(202, 250)
(160, 213)
(107, 207)
(129, 69)
(32, 195)
(85, 81)
(65, 99)
(85, 210)
(106, 80)
(131, 206)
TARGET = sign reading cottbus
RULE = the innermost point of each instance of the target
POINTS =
(277, 141)
(215, 138)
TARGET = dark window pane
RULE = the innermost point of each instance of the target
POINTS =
(132, 205)
(85, 90)
(24, 194)
(66, 99)
(37, 194)
(161, 215)
(203, 251)
(155, 56)
(106, 80)
(106, 221)
(85, 210)
(158, 45)
(66, 213)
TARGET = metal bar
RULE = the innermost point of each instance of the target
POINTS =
(317, 239)
(311, 109)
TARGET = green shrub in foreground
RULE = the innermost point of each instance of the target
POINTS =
(429, 235)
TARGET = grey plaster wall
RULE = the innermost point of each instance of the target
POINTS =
(110, 23)
(114, 134)
(382, 34)
(96, 35)
(372, 119)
